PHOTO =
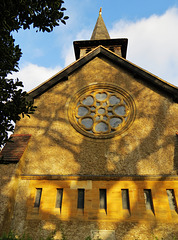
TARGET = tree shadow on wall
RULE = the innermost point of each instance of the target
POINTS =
(99, 158)
(176, 154)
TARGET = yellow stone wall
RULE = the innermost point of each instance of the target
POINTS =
(147, 147)
(76, 224)
(56, 148)
(7, 194)
(92, 211)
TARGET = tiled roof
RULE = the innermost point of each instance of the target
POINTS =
(13, 150)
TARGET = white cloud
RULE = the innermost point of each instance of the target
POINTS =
(32, 75)
(69, 55)
(153, 43)
(68, 50)
(84, 34)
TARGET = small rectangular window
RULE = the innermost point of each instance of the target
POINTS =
(103, 199)
(81, 195)
(172, 199)
(111, 48)
(59, 198)
(38, 197)
(148, 199)
(125, 199)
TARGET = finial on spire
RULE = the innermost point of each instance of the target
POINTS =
(100, 31)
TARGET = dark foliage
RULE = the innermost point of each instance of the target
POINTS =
(43, 15)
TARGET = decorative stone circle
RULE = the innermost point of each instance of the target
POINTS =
(101, 110)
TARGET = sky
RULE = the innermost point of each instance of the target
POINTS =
(151, 27)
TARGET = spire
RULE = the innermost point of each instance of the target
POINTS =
(100, 36)
(100, 31)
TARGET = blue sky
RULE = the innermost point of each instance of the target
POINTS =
(151, 27)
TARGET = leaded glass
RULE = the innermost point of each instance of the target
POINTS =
(101, 110)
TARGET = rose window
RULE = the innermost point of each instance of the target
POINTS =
(101, 110)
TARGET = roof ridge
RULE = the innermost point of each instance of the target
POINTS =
(138, 71)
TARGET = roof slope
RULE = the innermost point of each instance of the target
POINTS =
(146, 76)
(100, 31)
(13, 150)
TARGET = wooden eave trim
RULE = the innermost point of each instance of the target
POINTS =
(138, 71)
(5, 162)
(101, 177)
(63, 75)
(100, 50)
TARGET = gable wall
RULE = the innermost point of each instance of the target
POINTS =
(56, 148)
(147, 147)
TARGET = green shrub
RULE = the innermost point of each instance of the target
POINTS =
(13, 236)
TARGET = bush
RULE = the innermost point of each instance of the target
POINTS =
(13, 236)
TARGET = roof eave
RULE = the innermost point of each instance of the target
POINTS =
(171, 90)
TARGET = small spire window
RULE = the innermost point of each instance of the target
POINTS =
(88, 50)
(111, 48)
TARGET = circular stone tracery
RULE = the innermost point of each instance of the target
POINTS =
(101, 110)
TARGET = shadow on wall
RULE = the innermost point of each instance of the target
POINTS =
(89, 157)
(43, 222)
(176, 153)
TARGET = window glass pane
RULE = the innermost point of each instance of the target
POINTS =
(101, 96)
(103, 203)
(114, 100)
(88, 100)
(101, 110)
(148, 199)
(82, 111)
(38, 197)
(120, 110)
(59, 198)
(114, 122)
(81, 193)
(125, 199)
(101, 127)
(172, 199)
(87, 122)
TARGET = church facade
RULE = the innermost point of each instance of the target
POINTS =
(99, 158)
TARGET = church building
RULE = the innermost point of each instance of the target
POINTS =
(99, 158)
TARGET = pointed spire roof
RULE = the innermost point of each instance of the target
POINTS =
(100, 31)
(100, 36)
